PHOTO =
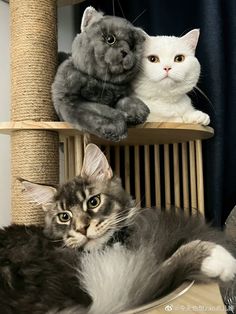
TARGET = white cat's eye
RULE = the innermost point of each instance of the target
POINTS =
(64, 217)
(94, 201)
(110, 39)
(153, 59)
(179, 58)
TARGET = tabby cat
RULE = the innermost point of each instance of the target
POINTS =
(127, 256)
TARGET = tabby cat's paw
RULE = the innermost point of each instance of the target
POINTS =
(196, 117)
(220, 263)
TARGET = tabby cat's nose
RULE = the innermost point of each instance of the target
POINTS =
(83, 230)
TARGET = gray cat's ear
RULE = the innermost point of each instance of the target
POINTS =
(191, 38)
(38, 193)
(89, 17)
(140, 35)
(95, 165)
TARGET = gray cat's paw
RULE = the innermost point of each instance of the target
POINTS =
(139, 115)
(114, 132)
(134, 110)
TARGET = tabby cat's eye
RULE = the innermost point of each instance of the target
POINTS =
(179, 58)
(153, 59)
(94, 201)
(110, 39)
(64, 217)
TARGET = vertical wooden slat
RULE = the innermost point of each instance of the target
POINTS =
(167, 176)
(200, 184)
(193, 190)
(117, 160)
(137, 173)
(108, 153)
(66, 161)
(157, 175)
(176, 175)
(127, 169)
(185, 178)
(79, 148)
(71, 157)
(62, 140)
(147, 175)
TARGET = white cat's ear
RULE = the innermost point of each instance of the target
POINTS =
(95, 165)
(89, 17)
(191, 38)
(38, 193)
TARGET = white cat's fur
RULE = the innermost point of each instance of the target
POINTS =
(165, 91)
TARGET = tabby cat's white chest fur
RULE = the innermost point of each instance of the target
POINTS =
(169, 71)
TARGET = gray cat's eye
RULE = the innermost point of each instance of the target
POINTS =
(110, 39)
(64, 217)
(94, 201)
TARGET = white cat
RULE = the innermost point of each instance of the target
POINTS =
(169, 71)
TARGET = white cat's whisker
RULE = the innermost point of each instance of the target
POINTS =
(203, 94)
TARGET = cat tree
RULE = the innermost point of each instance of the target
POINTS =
(160, 163)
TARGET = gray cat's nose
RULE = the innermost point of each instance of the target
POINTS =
(123, 53)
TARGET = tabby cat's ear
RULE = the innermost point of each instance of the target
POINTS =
(95, 165)
(38, 193)
(191, 38)
(89, 17)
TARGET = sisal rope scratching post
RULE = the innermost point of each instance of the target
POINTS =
(35, 154)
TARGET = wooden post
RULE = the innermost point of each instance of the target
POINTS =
(35, 153)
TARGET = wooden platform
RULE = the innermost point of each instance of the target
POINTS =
(147, 133)
(63, 2)
(68, 2)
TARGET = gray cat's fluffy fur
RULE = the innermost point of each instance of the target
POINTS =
(91, 89)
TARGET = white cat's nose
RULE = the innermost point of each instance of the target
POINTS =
(167, 69)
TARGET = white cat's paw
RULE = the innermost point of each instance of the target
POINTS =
(220, 264)
(196, 117)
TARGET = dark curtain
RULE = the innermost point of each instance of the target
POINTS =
(217, 54)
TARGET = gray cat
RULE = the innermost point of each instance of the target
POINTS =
(129, 256)
(91, 89)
